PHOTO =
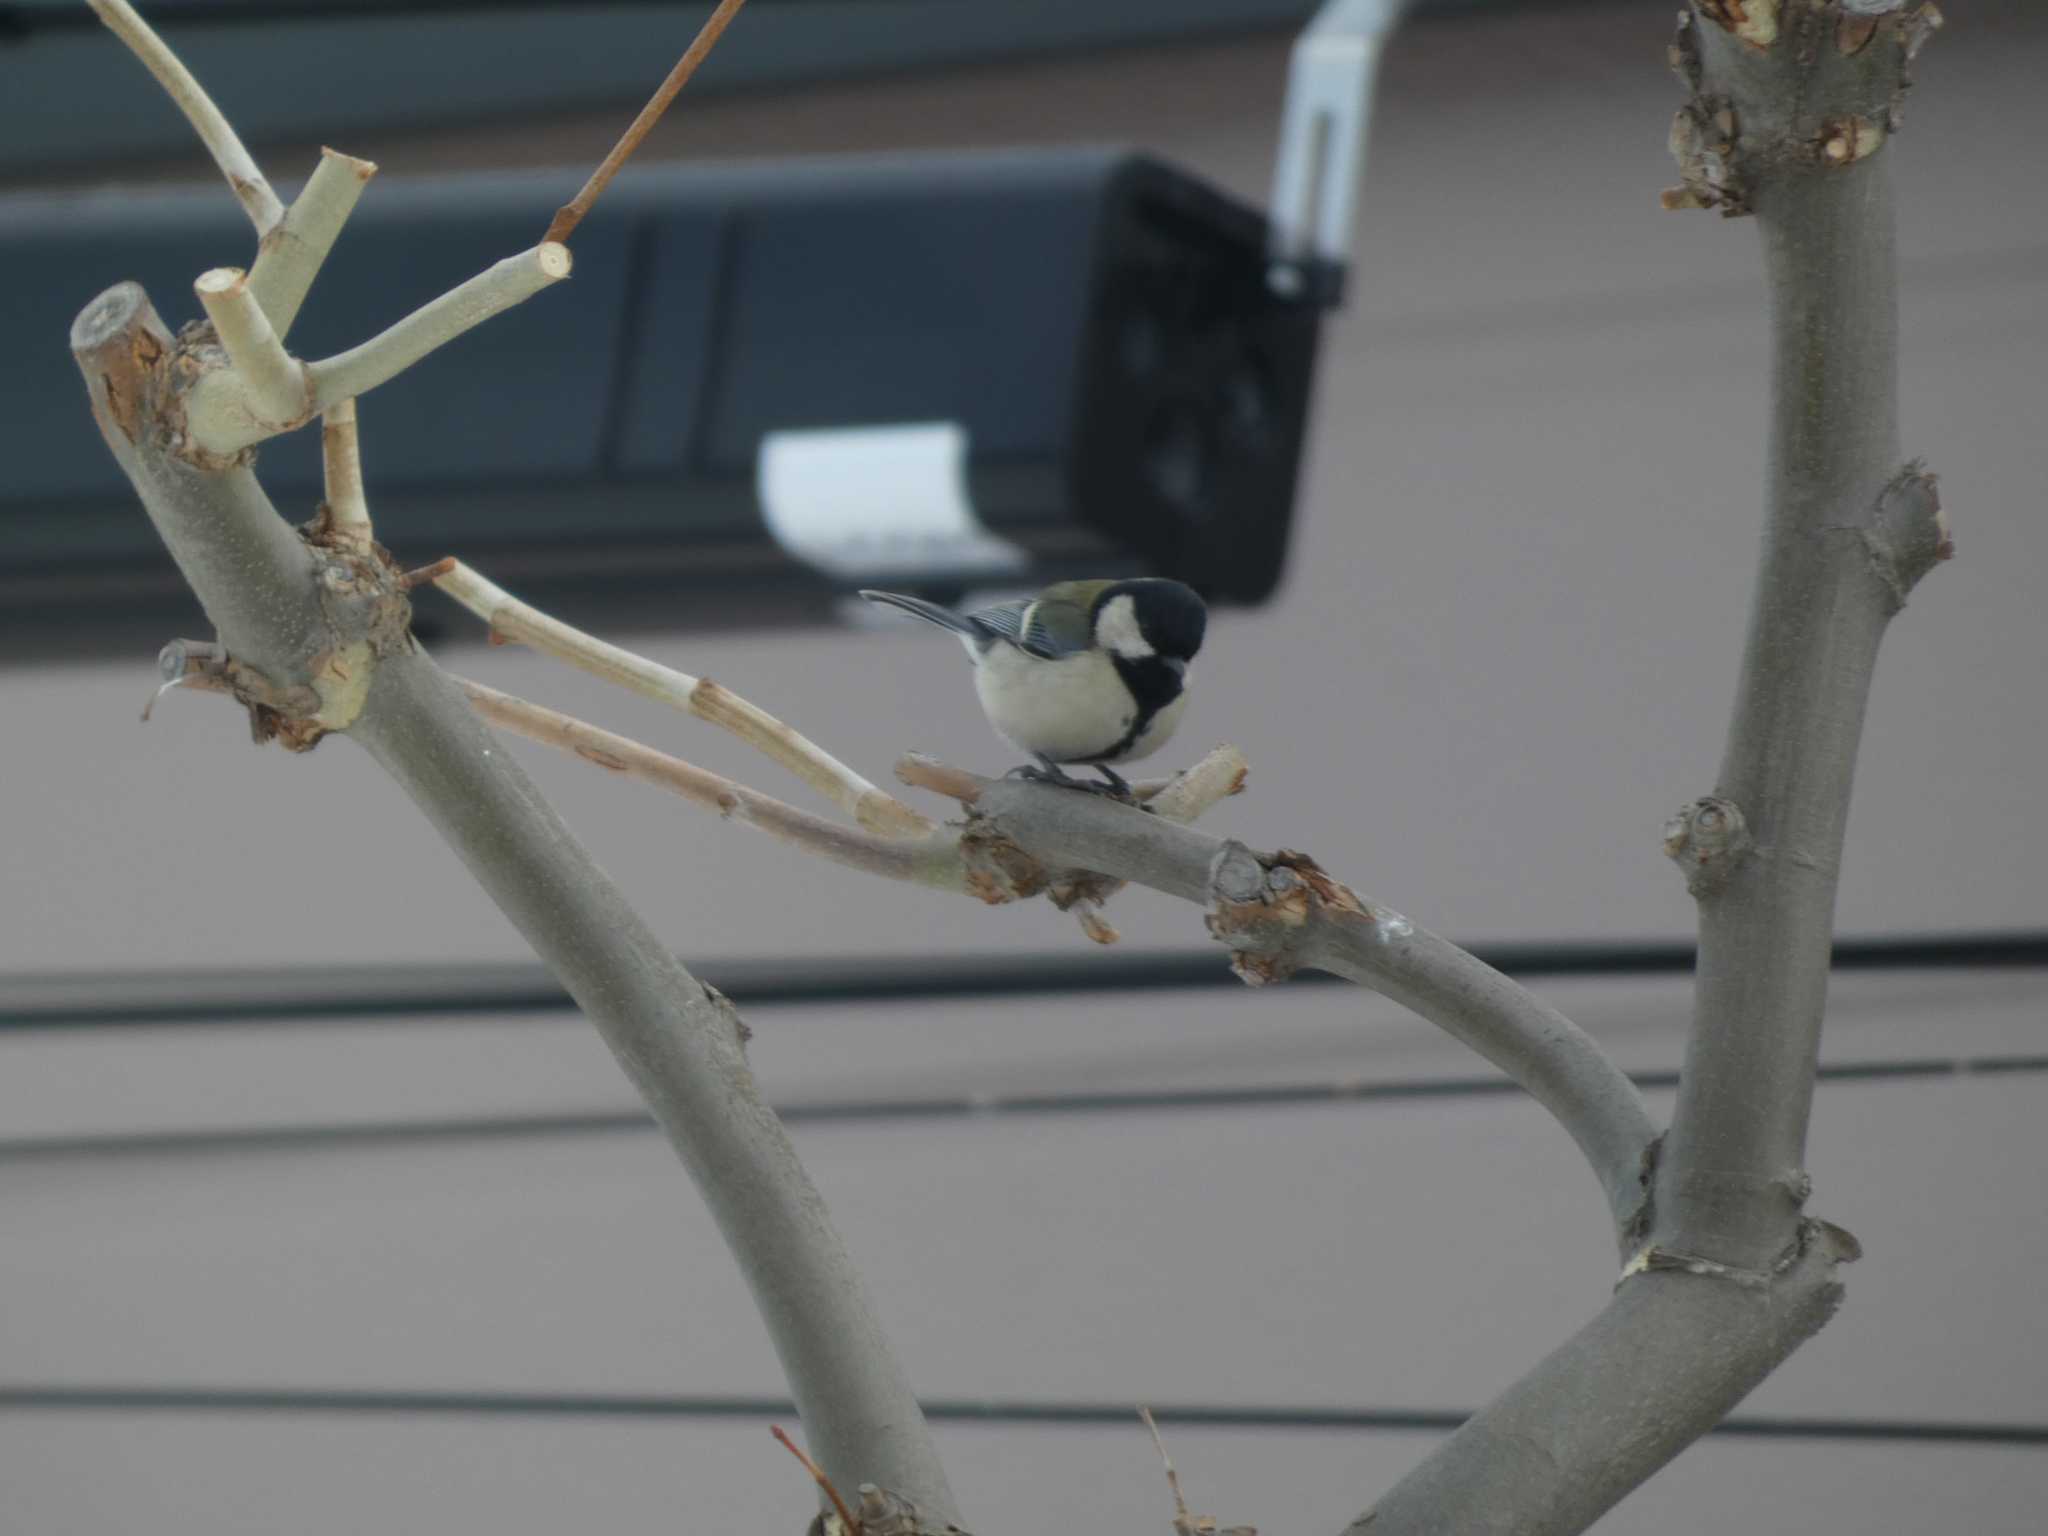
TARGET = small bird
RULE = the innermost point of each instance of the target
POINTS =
(1091, 672)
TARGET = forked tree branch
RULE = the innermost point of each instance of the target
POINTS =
(1787, 119)
(1277, 913)
(1847, 532)
(1790, 107)
(315, 637)
(510, 619)
(268, 392)
(296, 616)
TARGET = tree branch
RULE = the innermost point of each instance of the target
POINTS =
(299, 614)
(290, 256)
(681, 1047)
(227, 410)
(1022, 839)
(228, 541)
(1661, 1365)
(1278, 912)
(272, 383)
(1791, 103)
(214, 130)
(348, 509)
(933, 859)
(571, 213)
(1847, 533)
(510, 619)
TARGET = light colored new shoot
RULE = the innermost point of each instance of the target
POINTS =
(348, 510)
(207, 120)
(929, 860)
(510, 619)
(290, 256)
(271, 384)
(268, 392)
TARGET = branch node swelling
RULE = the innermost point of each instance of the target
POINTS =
(1908, 532)
(883, 1513)
(1263, 908)
(1707, 840)
(1730, 143)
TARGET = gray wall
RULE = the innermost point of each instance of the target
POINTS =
(1510, 634)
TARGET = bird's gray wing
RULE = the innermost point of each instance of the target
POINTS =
(1047, 630)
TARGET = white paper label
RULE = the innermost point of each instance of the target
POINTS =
(855, 501)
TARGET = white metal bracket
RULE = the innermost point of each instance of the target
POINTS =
(1322, 147)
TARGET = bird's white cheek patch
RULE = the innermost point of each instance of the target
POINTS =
(1117, 628)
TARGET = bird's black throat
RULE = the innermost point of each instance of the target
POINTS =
(1154, 684)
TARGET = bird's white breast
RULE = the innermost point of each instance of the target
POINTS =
(1071, 710)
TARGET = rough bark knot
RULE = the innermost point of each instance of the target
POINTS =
(878, 1512)
(1707, 839)
(997, 869)
(1262, 906)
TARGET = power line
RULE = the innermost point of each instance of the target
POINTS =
(281, 1138)
(944, 1410)
(288, 995)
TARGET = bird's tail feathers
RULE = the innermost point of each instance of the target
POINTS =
(931, 613)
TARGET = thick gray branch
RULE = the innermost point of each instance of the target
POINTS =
(1847, 532)
(301, 616)
(682, 1050)
(1279, 914)
(1661, 1365)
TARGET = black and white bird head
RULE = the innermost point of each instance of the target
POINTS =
(1148, 618)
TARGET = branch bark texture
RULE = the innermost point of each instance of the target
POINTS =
(1790, 108)
(1661, 1365)
(1278, 912)
(1803, 125)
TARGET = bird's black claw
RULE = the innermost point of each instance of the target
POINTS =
(1117, 784)
(1044, 771)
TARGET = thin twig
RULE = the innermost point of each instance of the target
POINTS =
(921, 771)
(348, 511)
(872, 807)
(207, 120)
(929, 861)
(290, 256)
(434, 324)
(272, 383)
(1183, 1521)
(818, 1473)
(228, 410)
(571, 213)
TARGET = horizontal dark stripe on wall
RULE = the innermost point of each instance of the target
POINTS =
(217, 996)
(119, 1399)
(280, 1138)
